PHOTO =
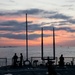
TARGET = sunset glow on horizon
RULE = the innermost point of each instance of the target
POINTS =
(47, 14)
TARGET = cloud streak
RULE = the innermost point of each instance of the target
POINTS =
(29, 11)
(59, 16)
(15, 26)
(22, 36)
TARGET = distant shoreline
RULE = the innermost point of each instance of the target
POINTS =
(8, 46)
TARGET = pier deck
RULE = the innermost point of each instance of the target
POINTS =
(67, 70)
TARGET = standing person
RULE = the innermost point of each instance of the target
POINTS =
(61, 60)
(14, 59)
(21, 59)
(51, 69)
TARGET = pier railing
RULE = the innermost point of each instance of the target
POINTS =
(67, 60)
(38, 61)
(3, 62)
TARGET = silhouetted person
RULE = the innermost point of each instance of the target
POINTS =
(72, 63)
(61, 61)
(14, 59)
(21, 59)
(51, 70)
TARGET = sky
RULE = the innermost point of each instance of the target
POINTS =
(59, 14)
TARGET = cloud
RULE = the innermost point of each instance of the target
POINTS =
(34, 36)
(12, 1)
(68, 29)
(59, 16)
(37, 12)
(71, 1)
(72, 21)
(13, 36)
(13, 26)
(29, 11)
(67, 5)
(3, 4)
(22, 36)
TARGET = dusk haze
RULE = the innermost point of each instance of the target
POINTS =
(37, 37)
(40, 13)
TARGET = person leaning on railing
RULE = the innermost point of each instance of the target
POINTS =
(14, 60)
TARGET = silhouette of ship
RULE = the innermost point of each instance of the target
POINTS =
(33, 67)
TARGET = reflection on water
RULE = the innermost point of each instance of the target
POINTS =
(36, 51)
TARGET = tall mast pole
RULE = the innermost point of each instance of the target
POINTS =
(42, 43)
(53, 43)
(26, 39)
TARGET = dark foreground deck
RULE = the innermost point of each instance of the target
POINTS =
(40, 70)
(68, 69)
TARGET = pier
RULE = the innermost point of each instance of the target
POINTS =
(39, 69)
(38, 65)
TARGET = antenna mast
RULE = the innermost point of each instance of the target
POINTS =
(26, 38)
(42, 43)
(53, 43)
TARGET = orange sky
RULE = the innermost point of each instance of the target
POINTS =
(61, 36)
(18, 18)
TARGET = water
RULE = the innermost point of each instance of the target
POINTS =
(8, 52)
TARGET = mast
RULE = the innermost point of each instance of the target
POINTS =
(26, 39)
(42, 43)
(53, 43)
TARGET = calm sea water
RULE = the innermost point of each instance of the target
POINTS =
(36, 51)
